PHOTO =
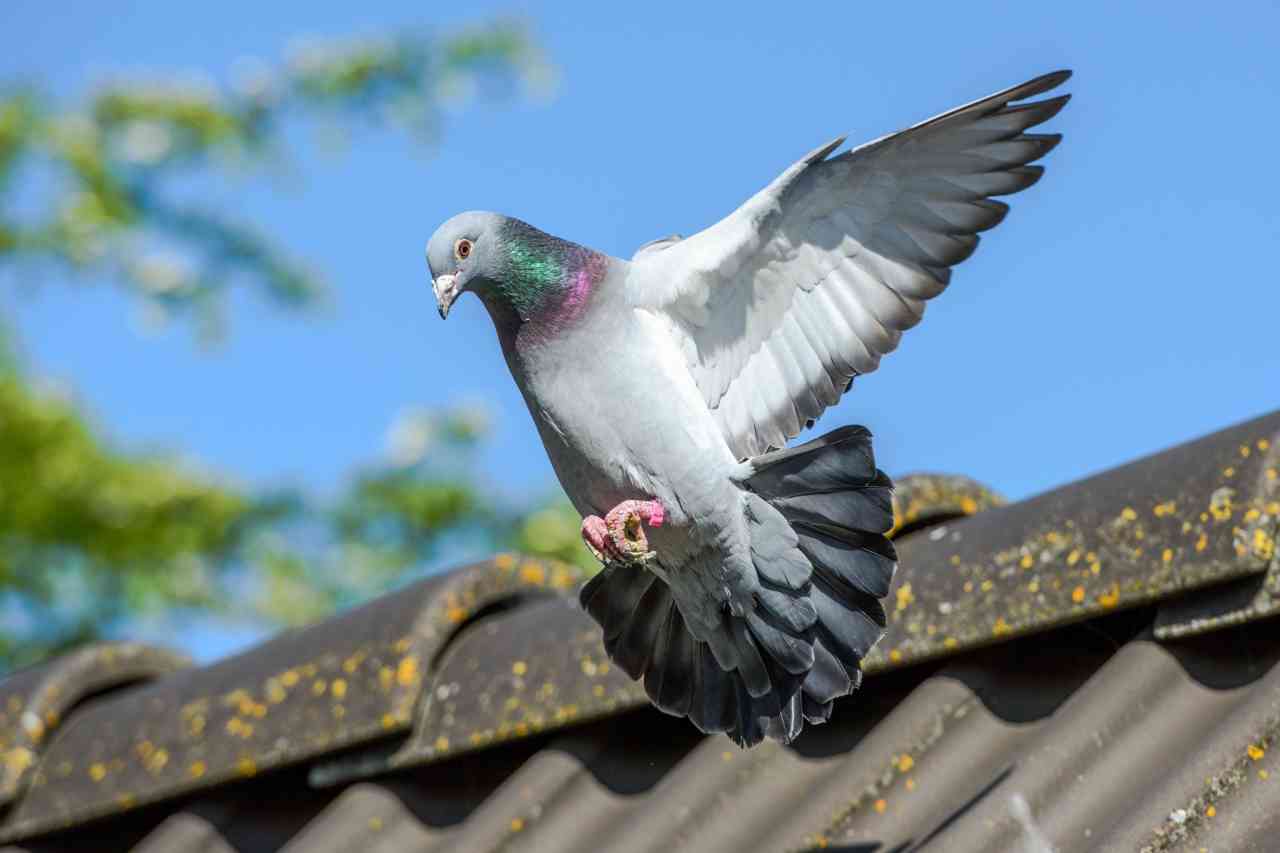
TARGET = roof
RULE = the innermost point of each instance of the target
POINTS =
(1081, 670)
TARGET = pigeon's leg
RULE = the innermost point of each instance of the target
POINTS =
(596, 536)
(625, 523)
(619, 536)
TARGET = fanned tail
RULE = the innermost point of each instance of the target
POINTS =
(817, 515)
(838, 506)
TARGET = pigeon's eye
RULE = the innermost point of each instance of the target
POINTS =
(462, 249)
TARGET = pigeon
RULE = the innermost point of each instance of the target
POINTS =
(742, 579)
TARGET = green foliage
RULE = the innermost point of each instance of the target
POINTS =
(91, 536)
(105, 172)
(553, 531)
(400, 515)
(88, 535)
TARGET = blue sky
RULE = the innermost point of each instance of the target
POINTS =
(1129, 301)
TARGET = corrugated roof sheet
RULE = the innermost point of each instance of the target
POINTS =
(304, 693)
(34, 701)
(1037, 701)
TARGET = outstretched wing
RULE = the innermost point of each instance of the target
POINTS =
(778, 306)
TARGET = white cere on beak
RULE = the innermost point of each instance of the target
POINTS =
(446, 292)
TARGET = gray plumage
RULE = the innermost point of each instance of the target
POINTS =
(679, 375)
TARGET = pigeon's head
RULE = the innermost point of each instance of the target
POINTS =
(462, 255)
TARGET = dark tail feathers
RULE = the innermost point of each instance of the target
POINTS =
(817, 515)
(840, 506)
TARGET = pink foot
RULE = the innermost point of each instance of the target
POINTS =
(619, 536)
(596, 536)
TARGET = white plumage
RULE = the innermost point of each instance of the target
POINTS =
(806, 285)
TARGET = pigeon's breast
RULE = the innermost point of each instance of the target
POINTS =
(621, 418)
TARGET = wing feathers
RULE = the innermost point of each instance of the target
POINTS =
(803, 369)
(816, 277)
(977, 215)
(781, 399)
(997, 183)
(940, 247)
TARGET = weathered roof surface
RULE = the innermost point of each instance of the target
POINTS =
(1083, 670)
(34, 701)
(305, 693)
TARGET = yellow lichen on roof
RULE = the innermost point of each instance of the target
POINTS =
(1220, 504)
(533, 573)
(1264, 544)
(157, 761)
(17, 760)
(563, 576)
(904, 596)
(407, 674)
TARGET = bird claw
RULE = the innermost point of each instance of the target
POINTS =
(596, 536)
(619, 536)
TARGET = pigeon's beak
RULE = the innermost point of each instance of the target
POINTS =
(446, 288)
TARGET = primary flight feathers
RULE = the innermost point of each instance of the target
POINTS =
(777, 306)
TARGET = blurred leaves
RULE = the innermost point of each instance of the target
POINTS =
(398, 516)
(87, 535)
(553, 531)
(95, 189)
(92, 536)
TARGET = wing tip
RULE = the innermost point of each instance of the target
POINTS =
(1043, 109)
(821, 152)
(1044, 142)
(1045, 82)
(1037, 86)
(1056, 78)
